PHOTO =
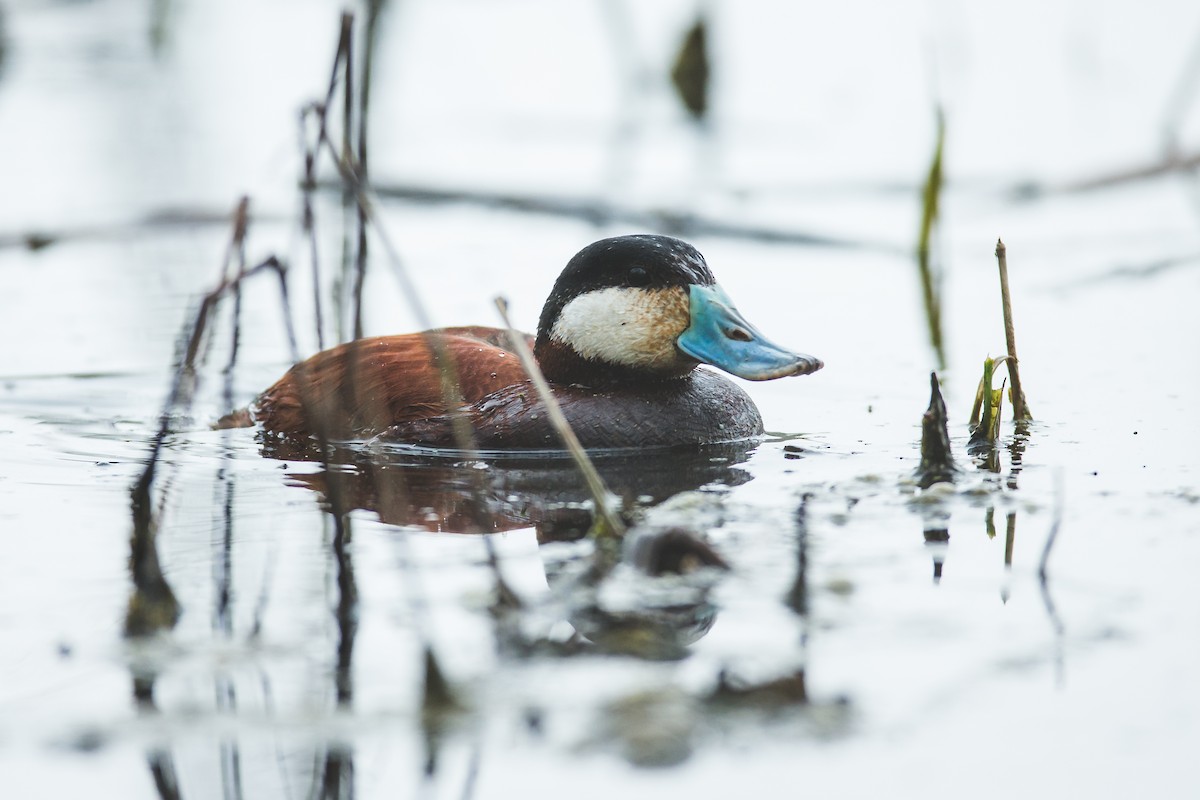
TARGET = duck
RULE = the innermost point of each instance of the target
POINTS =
(621, 340)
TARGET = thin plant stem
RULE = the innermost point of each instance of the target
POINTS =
(595, 483)
(1020, 407)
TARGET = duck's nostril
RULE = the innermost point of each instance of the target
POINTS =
(738, 334)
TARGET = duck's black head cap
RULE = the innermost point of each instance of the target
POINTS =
(645, 261)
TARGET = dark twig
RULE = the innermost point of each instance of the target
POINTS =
(353, 175)
(675, 221)
(347, 622)
(235, 266)
(148, 225)
(162, 770)
(797, 596)
(464, 436)
(371, 39)
(346, 56)
(348, 155)
(338, 769)
(153, 605)
(1010, 537)
(308, 221)
(1172, 164)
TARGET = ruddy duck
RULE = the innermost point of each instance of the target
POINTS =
(619, 339)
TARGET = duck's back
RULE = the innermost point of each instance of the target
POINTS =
(369, 385)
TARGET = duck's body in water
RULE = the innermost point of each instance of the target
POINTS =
(619, 340)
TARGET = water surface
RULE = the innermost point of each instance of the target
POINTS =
(930, 658)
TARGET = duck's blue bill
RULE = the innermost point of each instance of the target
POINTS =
(719, 335)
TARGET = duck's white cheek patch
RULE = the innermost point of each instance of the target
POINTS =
(630, 327)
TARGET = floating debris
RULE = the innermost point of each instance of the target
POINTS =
(671, 551)
(786, 690)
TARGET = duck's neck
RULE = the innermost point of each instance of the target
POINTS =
(561, 364)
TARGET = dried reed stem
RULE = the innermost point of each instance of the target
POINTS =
(1020, 407)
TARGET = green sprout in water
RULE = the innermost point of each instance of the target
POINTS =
(985, 413)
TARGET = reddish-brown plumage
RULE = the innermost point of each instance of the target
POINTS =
(364, 387)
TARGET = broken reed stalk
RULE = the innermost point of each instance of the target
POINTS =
(364, 99)
(318, 110)
(360, 249)
(371, 36)
(346, 56)
(595, 484)
(1020, 407)
(236, 254)
(153, 605)
(937, 458)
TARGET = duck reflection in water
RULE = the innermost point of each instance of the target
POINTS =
(443, 494)
(446, 493)
(620, 339)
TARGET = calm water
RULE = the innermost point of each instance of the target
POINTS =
(985, 681)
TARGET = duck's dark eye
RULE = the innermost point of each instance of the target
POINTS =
(638, 277)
